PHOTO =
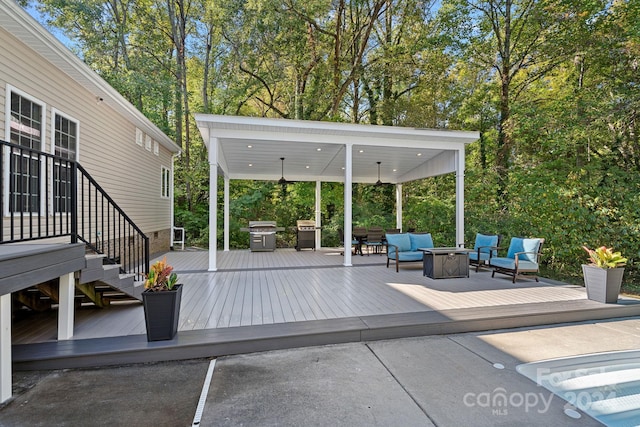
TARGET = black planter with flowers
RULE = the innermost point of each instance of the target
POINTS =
(161, 300)
(161, 313)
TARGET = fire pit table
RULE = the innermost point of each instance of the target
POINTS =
(445, 263)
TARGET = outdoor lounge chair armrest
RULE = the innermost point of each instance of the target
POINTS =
(491, 249)
(395, 246)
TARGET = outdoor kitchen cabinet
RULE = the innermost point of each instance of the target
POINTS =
(262, 235)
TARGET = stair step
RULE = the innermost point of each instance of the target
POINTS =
(94, 261)
(111, 271)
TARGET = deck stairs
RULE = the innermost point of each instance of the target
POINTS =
(99, 283)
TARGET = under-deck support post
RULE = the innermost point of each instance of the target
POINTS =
(66, 306)
(5, 347)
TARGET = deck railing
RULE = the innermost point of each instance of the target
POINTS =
(44, 196)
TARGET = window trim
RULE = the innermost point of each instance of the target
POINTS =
(165, 182)
(9, 90)
(139, 136)
(7, 112)
(55, 112)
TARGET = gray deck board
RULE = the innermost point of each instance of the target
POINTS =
(310, 291)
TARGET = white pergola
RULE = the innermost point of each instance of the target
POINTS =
(251, 148)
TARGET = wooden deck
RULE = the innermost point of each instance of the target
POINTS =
(264, 300)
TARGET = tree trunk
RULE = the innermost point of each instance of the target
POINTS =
(503, 155)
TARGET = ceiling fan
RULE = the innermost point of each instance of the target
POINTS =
(283, 181)
(378, 182)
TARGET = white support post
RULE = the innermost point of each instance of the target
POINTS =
(399, 206)
(460, 197)
(318, 214)
(213, 203)
(348, 200)
(66, 297)
(226, 213)
(5, 347)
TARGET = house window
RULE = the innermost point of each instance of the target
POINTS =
(156, 148)
(147, 142)
(139, 137)
(65, 142)
(25, 129)
(166, 183)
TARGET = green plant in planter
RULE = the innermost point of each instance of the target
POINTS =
(161, 277)
(604, 257)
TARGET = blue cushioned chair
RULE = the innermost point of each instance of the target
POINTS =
(522, 257)
(485, 247)
(403, 247)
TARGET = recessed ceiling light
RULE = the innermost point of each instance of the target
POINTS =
(318, 149)
(361, 151)
(419, 154)
(307, 166)
(249, 146)
(250, 164)
(343, 168)
(395, 170)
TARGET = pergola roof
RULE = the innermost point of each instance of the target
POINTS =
(251, 148)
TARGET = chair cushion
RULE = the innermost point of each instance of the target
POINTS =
(410, 256)
(510, 264)
(485, 240)
(524, 245)
(402, 241)
(420, 241)
(406, 256)
(473, 256)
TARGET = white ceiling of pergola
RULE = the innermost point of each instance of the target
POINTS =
(251, 148)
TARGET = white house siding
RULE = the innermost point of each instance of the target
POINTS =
(107, 147)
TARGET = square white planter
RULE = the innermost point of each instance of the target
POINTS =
(603, 284)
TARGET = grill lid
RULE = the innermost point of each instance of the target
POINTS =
(306, 225)
(262, 224)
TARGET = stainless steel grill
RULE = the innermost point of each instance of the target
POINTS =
(306, 234)
(262, 235)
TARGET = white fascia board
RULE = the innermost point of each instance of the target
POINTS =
(258, 128)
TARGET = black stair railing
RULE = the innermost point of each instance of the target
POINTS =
(44, 196)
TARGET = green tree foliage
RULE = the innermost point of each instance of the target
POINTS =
(552, 86)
